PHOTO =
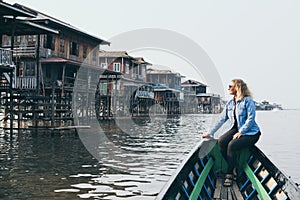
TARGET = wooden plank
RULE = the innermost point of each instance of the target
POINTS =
(224, 193)
(217, 192)
(271, 184)
(280, 195)
(229, 193)
(236, 191)
(71, 127)
(200, 182)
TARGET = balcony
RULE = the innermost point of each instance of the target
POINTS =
(26, 82)
(23, 51)
(45, 53)
(27, 51)
(6, 57)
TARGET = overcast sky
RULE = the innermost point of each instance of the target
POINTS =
(258, 41)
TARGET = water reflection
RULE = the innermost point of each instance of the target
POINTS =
(118, 164)
(124, 164)
(36, 166)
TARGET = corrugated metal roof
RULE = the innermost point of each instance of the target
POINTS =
(23, 27)
(161, 71)
(115, 54)
(47, 20)
(192, 82)
(141, 60)
(9, 10)
(122, 54)
(60, 60)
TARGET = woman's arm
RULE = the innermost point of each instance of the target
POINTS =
(221, 121)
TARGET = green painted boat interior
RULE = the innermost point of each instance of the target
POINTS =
(202, 178)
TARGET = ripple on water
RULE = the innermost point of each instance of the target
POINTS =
(67, 190)
(138, 167)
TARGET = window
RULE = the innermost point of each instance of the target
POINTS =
(117, 85)
(18, 39)
(104, 65)
(103, 87)
(21, 69)
(62, 45)
(74, 49)
(117, 67)
(49, 42)
(94, 56)
(127, 68)
(7, 40)
(31, 39)
(143, 71)
(84, 52)
(140, 68)
(30, 68)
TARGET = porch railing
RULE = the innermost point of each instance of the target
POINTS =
(25, 51)
(6, 57)
(26, 82)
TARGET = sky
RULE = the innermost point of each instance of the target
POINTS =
(257, 41)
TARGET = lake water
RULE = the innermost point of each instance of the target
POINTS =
(130, 164)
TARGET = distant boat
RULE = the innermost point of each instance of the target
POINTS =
(276, 109)
(200, 176)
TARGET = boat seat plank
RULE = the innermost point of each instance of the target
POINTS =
(224, 195)
(236, 191)
(271, 184)
(217, 192)
(280, 195)
(227, 193)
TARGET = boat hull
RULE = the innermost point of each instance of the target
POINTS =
(200, 176)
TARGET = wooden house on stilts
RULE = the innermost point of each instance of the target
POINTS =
(11, 29)
(128, 95)
(56, 68)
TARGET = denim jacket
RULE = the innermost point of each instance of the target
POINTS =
(245, 114)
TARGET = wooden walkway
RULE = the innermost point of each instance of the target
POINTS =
(228, 193)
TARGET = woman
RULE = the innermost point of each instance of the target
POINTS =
(244, 132)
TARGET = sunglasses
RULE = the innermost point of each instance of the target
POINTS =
(230, 86)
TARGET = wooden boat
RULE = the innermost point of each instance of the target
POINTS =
(201, 176)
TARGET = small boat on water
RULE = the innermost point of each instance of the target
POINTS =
(201, 176)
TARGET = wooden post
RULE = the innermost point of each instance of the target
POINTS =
(38, 65)
(12, 39)
(63, 80)
(52, 99)
(62, 99)
(10, 84)
(1, 35)
(109, 100)
(19, 114)
(87, 104)
(11, 103)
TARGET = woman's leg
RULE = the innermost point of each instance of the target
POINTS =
(245, 141)
(224, 140)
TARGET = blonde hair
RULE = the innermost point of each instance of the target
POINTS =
(241, 89)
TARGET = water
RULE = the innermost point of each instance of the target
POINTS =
(136, 166)
(280, 140)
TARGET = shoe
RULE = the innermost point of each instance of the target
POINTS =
(228, 180)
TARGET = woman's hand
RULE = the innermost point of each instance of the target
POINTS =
(237, 135)
(206, 135)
